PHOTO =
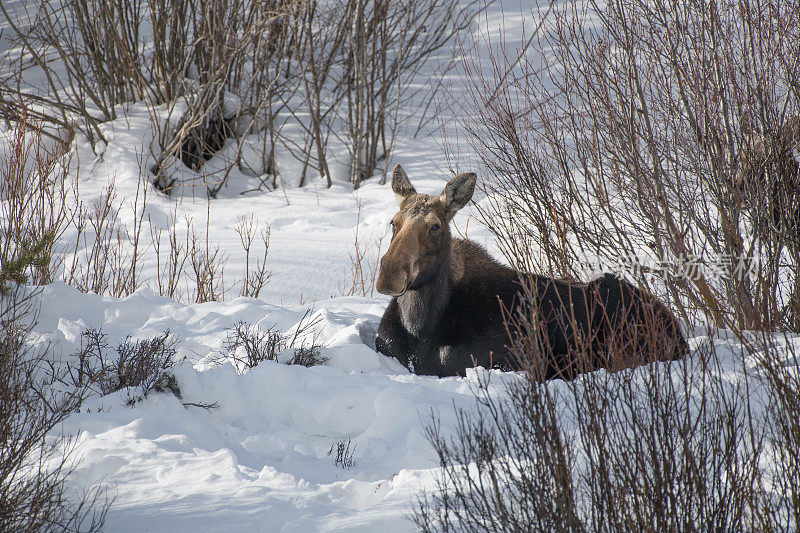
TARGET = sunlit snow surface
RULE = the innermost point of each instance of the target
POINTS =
(260, 461)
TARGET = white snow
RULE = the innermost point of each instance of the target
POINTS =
(260, 461)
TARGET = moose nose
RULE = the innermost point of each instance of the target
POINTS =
(391, 279)
(390, 292)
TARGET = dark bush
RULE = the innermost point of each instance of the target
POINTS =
(247, 345)
(705, 443)
(308, 356)
(141, 366)
(146, 364)
(343, 454)
(35, 468)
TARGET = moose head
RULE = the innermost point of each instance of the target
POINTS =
(421, 238)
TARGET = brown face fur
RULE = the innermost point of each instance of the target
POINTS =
(420, 233)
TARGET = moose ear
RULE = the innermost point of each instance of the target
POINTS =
(400, 184)
(458, 192)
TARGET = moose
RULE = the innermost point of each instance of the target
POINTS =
(452, 302)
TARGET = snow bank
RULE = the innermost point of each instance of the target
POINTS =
(260, 461)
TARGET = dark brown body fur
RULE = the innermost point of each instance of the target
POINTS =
(457, 319)
(449, 298)
(467, 329)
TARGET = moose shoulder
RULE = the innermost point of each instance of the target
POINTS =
(446, 313)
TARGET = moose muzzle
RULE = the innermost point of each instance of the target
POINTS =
(393, 276)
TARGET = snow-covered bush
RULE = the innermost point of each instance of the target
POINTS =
(255, 76)
(655, 140)
(34, 467)
(137, 366)
(246, 346)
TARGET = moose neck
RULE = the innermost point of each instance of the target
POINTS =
(420, 308)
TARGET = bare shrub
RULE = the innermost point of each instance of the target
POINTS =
(141, 366)
(247, 345)
(343, 454)
(170, 266)
(67, 102)
(188, 55)
(146, 364)
(94, 273)
(240, 72)
(255, 278)
(364, 264)
(208, 265)
(778, 365)
(106, 255)
(310, 355)
(98, 54)
(389, 47)
(323, 32)
(34, 211)
(626, 136)
(364, 71)
(630, 130)
(664, 447)
(35, 466)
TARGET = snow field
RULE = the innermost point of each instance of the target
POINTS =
(260, 461)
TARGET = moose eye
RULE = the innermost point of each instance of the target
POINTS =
(434, 228)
